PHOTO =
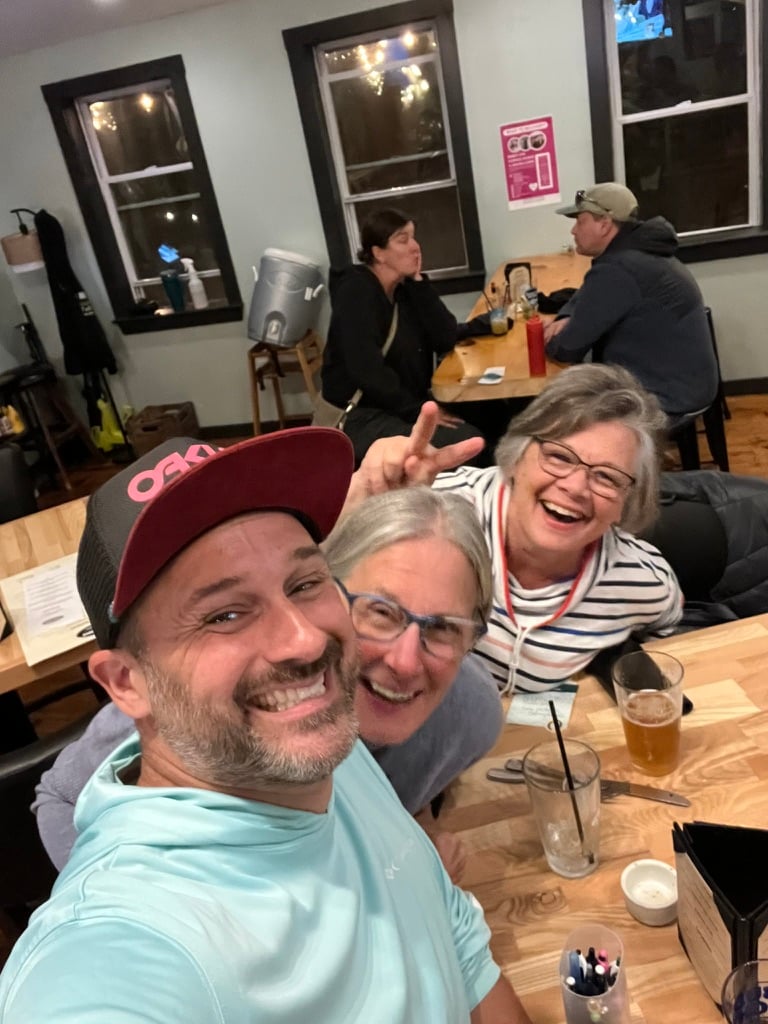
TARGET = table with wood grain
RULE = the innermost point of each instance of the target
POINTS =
(455, 379)
(723, 771)
(24, 544)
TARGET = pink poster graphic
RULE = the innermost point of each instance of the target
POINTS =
(530, 163)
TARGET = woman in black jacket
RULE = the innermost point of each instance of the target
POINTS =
(365, 297)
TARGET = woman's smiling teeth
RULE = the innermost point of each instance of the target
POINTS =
(563, 515)
(288, 697)
(393, 696)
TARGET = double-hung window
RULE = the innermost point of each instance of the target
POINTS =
(389, 130)
(138, 167)
(676, 113)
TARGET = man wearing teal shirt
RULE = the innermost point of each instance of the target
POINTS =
(222, 873)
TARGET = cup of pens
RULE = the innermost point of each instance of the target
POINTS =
(563, 782)
(592, 977)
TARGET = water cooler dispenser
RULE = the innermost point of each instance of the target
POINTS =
(286, 298)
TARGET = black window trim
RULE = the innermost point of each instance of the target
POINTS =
(60, 98)
(300, 44)
(721, 244)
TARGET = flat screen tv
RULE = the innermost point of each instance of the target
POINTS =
(642, 20)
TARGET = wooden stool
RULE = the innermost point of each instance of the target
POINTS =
(272, 362)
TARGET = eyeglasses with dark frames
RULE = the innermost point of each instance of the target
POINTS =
(582, 197)
(559, 460)
(380, 618)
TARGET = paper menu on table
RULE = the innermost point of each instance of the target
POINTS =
(45, 610)
(50, 597)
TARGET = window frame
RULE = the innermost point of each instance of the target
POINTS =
(719, 243)
(63, 100)
(300, 44)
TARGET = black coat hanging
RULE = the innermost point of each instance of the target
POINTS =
(86, 348)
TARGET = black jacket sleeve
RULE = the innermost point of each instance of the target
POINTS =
(607, 295)
(437, 321)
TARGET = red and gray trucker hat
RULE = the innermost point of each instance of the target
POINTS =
(139, 520)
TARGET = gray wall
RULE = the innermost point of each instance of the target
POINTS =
(248, 117)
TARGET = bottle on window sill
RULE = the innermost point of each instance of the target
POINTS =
(195, 285)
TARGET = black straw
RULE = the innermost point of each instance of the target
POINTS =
(569, 778)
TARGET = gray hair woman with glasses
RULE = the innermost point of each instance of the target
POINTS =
(576, 472)
(417, 575)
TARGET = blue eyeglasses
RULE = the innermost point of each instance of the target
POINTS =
(380, 618)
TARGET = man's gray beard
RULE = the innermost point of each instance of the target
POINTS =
(222, 747)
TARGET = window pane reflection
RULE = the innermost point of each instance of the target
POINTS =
(693, 169)
(703, 58)
(432, 167)
(180, 224)
(141, 191)
(439, 229)
(366, 56)
(139, 130)
(397, 115)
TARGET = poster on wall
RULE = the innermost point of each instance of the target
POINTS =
(530, 163)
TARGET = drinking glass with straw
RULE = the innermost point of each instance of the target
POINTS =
(563, 781)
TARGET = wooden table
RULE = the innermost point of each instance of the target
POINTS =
(455, 379)
(26, 543)
(724, 772)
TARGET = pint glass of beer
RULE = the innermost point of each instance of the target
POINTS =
(649, 692)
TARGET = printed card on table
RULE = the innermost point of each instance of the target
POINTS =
(533, 708)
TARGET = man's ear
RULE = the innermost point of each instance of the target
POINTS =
(123, 678)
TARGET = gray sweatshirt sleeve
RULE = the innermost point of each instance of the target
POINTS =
(57, 792)
(460, 731)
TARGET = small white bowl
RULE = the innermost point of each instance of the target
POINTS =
(650, 891)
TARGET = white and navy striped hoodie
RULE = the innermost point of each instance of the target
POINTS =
(626, 587)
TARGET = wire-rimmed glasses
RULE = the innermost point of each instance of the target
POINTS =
(558, 459)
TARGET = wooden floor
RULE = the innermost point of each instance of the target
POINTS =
(747, 434)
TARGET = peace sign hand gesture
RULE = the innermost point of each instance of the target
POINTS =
(393, 462)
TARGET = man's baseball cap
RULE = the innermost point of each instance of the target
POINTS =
(139, 520)
(609, 198)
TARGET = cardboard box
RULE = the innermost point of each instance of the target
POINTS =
(157, 423)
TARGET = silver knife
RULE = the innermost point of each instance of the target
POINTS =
(512, 772)
(664, 796)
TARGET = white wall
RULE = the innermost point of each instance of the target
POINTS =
(248, 117)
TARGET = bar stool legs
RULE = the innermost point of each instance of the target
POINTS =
(720, 390)
(685, 435)
(49, 418)
(270, 362)
(686, 438)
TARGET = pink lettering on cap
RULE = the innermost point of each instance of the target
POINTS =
(146, 484)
